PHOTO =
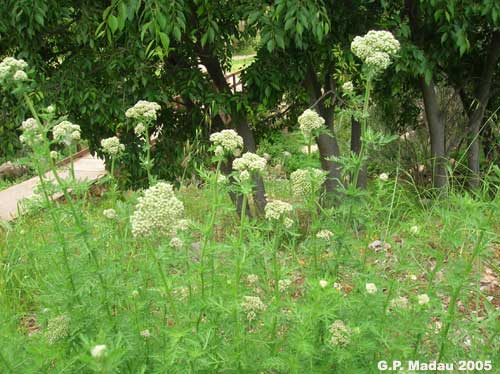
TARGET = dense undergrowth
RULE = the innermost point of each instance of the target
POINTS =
(369, 271)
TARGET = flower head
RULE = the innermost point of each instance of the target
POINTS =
(112, 146)
(227, 142)
(109, 213)
(66, 132)
(140, 129)
(306, 181)
(284, 284)
(310, 121)
(371, 288)
(423, 299)
(384, 177)
(143, 110)
(176, 243)
(348, 87)
(376, 49)
(251, 305)
(32, 132)
(250, 162)
(323, 283)
(157, 211)
(12, 69)
(57, 328)
(340, 334)
(98, 351)
(277, 209)
(324, 234)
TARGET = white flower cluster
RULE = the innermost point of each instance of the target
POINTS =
(252, 305)
(158, 210)
(227, 142)
(13, 69)
(66, 132)
(371, 288)
(250, 162)
(112, 146)
(57, 329)
(309, 121)
(324, 234)
(140, 129)
(176, 243)
(143, 110)
(340, 334)
(109, 214)
(277, 209)
(376, 49)
(31, 132)
(348, 87)
(284, 284)
(306, 181)
(99, 351)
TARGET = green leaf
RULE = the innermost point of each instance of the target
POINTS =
(165, 40)
(270, 45)
(112, 23)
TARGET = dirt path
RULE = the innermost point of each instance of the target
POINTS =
(87, 167)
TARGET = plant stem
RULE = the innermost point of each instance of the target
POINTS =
(364, 125)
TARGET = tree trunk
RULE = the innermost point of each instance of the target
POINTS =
(437, 134)
(327, 143)
(482, 96)
(356, 148)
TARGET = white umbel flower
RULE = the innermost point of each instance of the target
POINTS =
(143, 110)
(176, 243)
(20, 75)
(376, 49)
(112, 146)
(324, 234)
(227, 142)
(109, 214)
(32, 133)
(384, 177)
(340, 334)
(423, 299)
(157, 211)
(348, 87)
(140, 129)
(277, 209)
(98, 351)
(309, 122)
(12, 69)
(66, 132)
(306, 181)
(323, 283)
(371, 288)
(250, 162)
(252, 305)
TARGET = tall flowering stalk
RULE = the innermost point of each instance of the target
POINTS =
(310, 124)
(145, 113)
(157, 212)
(13, 77)
(376, 50)
(113, 148)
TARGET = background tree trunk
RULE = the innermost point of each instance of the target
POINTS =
(481, 99)
(437, 134)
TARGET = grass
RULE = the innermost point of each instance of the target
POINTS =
(241, 63)
(443, 250)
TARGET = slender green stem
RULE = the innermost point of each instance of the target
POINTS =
(164, 281)
(364, 125)
(209, 231)
(148, 155)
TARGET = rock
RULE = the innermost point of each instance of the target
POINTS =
(9, 170)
